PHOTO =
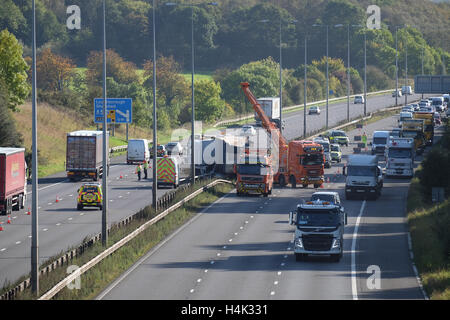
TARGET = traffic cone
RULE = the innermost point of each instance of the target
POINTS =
(1, 226)
(29, 212)
(57, 200)
(121, 176)
(321, 186)
(9, 220)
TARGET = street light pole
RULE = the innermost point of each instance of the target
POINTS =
(328, 87)
(406, 72)
(305, 92)
(396, 67)
(155, 138)
(365, 74)
(105, 150)
(192, 100)
(34, 171)
(348, 72)
(281, 84)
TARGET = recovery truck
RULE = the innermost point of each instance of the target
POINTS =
(13, 180)
(400, 157)
(254, 175)
(84, 155)
(428, 125)
(299, 162)
(319, 229)
(414, 128)
(363, 177)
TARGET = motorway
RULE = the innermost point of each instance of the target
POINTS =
(61, 226)
(245, 250)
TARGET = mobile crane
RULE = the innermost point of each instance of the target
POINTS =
(300, 162)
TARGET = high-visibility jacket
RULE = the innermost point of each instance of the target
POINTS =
(138, 169)
(145, 165)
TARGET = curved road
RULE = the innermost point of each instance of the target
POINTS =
(245, 251)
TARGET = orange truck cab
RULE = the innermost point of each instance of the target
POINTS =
(254, 175)
(305, 163)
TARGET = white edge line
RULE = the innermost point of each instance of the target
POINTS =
(355, 235)
(153, 250)
(416, 272)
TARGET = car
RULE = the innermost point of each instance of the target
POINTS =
(336, 153)
(415, 106)
(337, 136)
(437, 118)
(314, 110)
(399, 93)
(160, 151)
(407, 90)
(174, 148)
(408, 109)
(248, 130)
(90, 195)
(424, 101)
(395, 133)
(358, 100)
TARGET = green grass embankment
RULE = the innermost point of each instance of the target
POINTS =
(94, 281)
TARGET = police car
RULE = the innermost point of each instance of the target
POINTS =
(90, 195)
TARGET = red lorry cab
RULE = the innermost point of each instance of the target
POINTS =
(12, 179)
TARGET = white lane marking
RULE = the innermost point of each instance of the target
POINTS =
(224, 247)
(206, 270)
(3, 249)
(155, 249)
(230, 240)
(411, 255)
(246, 221)
(49, 203)
(241, 228)
(218, 254)
(272, 293)
(45, 229)
(14, 217)
(30, 237)
(31, 192)
(192, 290)
(275, 282)
(355, 235)
(82, 214)
(18, 242)
(199, 280)
(120, 197)
(235, 233)
(58, 224)
(70, 195)
(70, 219)
(251, 217)
(279, 273)
(282, 264)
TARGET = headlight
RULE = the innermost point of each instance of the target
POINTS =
(298, 243)
(336, 243)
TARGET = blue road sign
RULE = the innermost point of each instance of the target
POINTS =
(122, 108)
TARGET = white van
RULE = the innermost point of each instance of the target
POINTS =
(137, 151)
(379, 142)
(407, 90)
(403, 116)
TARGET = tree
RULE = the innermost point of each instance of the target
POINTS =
(13, 70)
(116, 67)
(209, 106)
(9, 136)
(53, 71)
(11, 17)
(169, 82)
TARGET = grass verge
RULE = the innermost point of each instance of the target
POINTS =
(429, 225)
(100, 276)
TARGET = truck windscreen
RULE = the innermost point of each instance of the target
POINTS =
(311, 159)
(256, 169)
(379, 140)
(399, 153)
(317, 218)
(361, 171)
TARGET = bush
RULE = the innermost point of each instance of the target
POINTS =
(435, 170)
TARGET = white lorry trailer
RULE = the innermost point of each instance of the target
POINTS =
(364, 177)
(400, 157)
(272, 109)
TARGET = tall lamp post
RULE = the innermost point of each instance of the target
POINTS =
(365, 66)
(155, 147)
(191, 5)
(328, 87)
(348, 68)
(34, 218)
(304, 88)
(105, 150)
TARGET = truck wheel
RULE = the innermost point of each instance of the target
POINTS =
(100, 208)
(304, 185)
(79, 207)
(317, 186)
(282, 182)
(265, 194)
(293, 182)
(348, 196)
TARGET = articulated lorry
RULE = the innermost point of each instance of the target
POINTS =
(319, 230)
(364, 177)
(254, 175)
(299, 162)
(400, 157)
(13, 180)
(428, 125)
(84, 156)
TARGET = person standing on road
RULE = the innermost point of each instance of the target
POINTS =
(145, 169)
(138, 171)
(364, 139)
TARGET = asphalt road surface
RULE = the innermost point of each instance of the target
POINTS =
(245, 250)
